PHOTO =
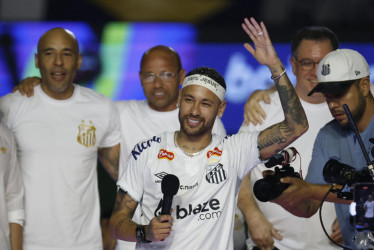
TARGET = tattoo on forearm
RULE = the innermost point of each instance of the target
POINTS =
(276, 134)
(124, 205)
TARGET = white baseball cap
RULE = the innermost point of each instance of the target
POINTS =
(338, 70)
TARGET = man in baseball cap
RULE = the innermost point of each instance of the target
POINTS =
(343, 78)
(338, 70)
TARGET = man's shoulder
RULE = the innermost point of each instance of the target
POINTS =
(130, 105)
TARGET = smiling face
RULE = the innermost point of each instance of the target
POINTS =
(309, 52)
(58, 60)
(199, 108)
(161, 93)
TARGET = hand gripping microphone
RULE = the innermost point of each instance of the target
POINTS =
(284, 157)
(169, 187)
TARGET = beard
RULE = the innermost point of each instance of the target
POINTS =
(198, 131)
(357, 112)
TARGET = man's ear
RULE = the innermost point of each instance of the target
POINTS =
(221, 109)
(36, 61)
(364, 86)
(179, 98)
(79, 61)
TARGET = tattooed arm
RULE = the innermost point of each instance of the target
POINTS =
(280, 135)
(122, 226)
(109, 158)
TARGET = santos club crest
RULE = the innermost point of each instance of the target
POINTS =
(215, 173)
(86, 135)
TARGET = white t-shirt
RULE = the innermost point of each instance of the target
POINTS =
(298, 233)
(204, 207)
(57, 144)
(11, 187)
(140, 122)
(369, 209)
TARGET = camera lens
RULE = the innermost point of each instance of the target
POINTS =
(268, 188)
(336, 172)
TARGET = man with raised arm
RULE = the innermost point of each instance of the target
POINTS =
(269, 225)
(209, 167)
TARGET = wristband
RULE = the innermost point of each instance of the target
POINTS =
(140, 234)
(279, 76)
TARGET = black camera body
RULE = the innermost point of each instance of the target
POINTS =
(270, 187)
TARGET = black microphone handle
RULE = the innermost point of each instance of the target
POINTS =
(166, 204)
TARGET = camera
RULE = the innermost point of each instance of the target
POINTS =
(342, 174)
(270, 187)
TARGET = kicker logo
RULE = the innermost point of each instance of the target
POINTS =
(215, 151)
(163, 154)
(207, 211)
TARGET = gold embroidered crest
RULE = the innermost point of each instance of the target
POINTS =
(86, 135)
(3, 150)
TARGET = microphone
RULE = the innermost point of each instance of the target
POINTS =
(169, 187)
(284, 157)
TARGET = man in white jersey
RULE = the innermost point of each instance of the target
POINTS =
(369, 211)
(209, 167)
(60, 132)
(12, 214)
(161, 74)
(269, 224)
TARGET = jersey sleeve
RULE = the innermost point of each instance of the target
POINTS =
(112, 135)
(132, 176)
(14, 187)
(244, 151)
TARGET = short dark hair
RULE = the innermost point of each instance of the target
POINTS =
(209, 72)
(316, 33)
(166, 49)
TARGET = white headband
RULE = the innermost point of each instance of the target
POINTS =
(205, 82)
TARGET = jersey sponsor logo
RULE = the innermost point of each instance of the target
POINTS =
(138, 149)
(3, 150)
(215, 173)
(164, 154)
(215, 151)
(206, 211)
(86, 134)
(183, 187)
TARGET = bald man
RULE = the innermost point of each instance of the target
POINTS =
(60, 132)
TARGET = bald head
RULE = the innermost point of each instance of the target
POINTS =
(58, 32)
(165, 49)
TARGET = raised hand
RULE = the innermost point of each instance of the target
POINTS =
(263, 49)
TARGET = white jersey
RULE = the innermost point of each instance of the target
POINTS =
(298, 233)
(57, 144)
(11, 187)
(140, 122)
(369, 209)
(204, 207)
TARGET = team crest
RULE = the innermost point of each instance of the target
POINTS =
(325, 69)
(215, 174)
(3, 150)
(86, 135)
